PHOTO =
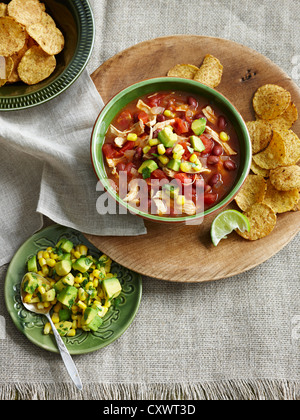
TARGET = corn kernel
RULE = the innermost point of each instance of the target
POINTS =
(169, 114)
(71, 333)
(96, 283)
(74, 324)
(45, 270)
(55, 318)
(197, 168)
(153, 142)
(27, 298)
(146, 149)
(81, 305)
(50, 262)
(40, 255)
(178, 149)
(96, 273)
(77, 254)
(79, 278)
(47, 328)
(193, 158)
(74, 310)
(132, 137)
(161, 149)
(53, 256)
(164, 160)
(185, 167)
(46, 255)
(74, 317)
(177, 156)
(224, 136)
(42, 262)
(180, 200)
(82, 295)
(47, 305)
(40, 306)
(42, 290)
(91, 277)
(35, 300)
(49, 249)
(89, 285)
(83, 250)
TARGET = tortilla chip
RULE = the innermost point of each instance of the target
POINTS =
(286, 120)
(271, 101)
(285, 178)
(48, 36)
(12, 36)
(210, 73)
(260, 134)
(25, 12)
(253, 191)
(36, 66)
(297, 206)
(262, 220)
(257, 170)
(292, 144)
(3, 9)
(9, 65)
(185, 71)
(274, 155)
(281, 201)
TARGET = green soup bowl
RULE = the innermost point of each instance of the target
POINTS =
(75, 19)
(148, 87)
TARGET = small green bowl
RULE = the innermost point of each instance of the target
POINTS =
(148, 87)
(75, 19)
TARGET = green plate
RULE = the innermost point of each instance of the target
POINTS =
(116, 321)
(75, 19)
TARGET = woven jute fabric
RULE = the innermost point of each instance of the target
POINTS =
(237, 338)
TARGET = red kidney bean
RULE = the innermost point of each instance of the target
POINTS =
(217, 150)
(161, 118)
(121, 167)
(138, 153)
(213, 160)
(210, 198)
(214, 179)
(169, 152)
(207, 188)
(222, 123)
(230, 165)
(192, 102)
(136, 117)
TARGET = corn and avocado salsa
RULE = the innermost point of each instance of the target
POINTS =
(79, 287)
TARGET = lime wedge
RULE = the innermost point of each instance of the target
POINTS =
(226, 222)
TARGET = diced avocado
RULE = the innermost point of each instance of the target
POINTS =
(59, 286)
(30, 283)
(111, 287)
(64, 314)
(48, 296)
(95, 324)
(63, 328)
(149, 164)
(198, 126)
(89, 315)
(102, 310)
(65, 257)
(167, 137)
(68, 280)
(171, 190)
(83, 264)
(197, 144)
(65, 245)
(174, 165)
(32, 265)
(68, 296)
(63, 268)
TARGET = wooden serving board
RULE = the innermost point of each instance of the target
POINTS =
(183, 253)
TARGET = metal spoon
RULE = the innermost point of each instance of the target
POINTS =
(68, 361)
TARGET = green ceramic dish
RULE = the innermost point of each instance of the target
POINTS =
(75, 19)
(170, 84)
(116, 321)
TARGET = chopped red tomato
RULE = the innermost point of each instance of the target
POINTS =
(156, 100)
(110, 151)
(125, 119)
(183, 178)
(181, 126)
(143, 116)
(208, 144)
(129, 145)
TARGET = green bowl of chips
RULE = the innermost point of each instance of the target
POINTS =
(59, 38)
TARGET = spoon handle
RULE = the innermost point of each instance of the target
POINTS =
(68, 361)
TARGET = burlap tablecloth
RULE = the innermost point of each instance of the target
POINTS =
(235, 338)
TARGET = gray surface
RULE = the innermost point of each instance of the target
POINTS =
(240, 335)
